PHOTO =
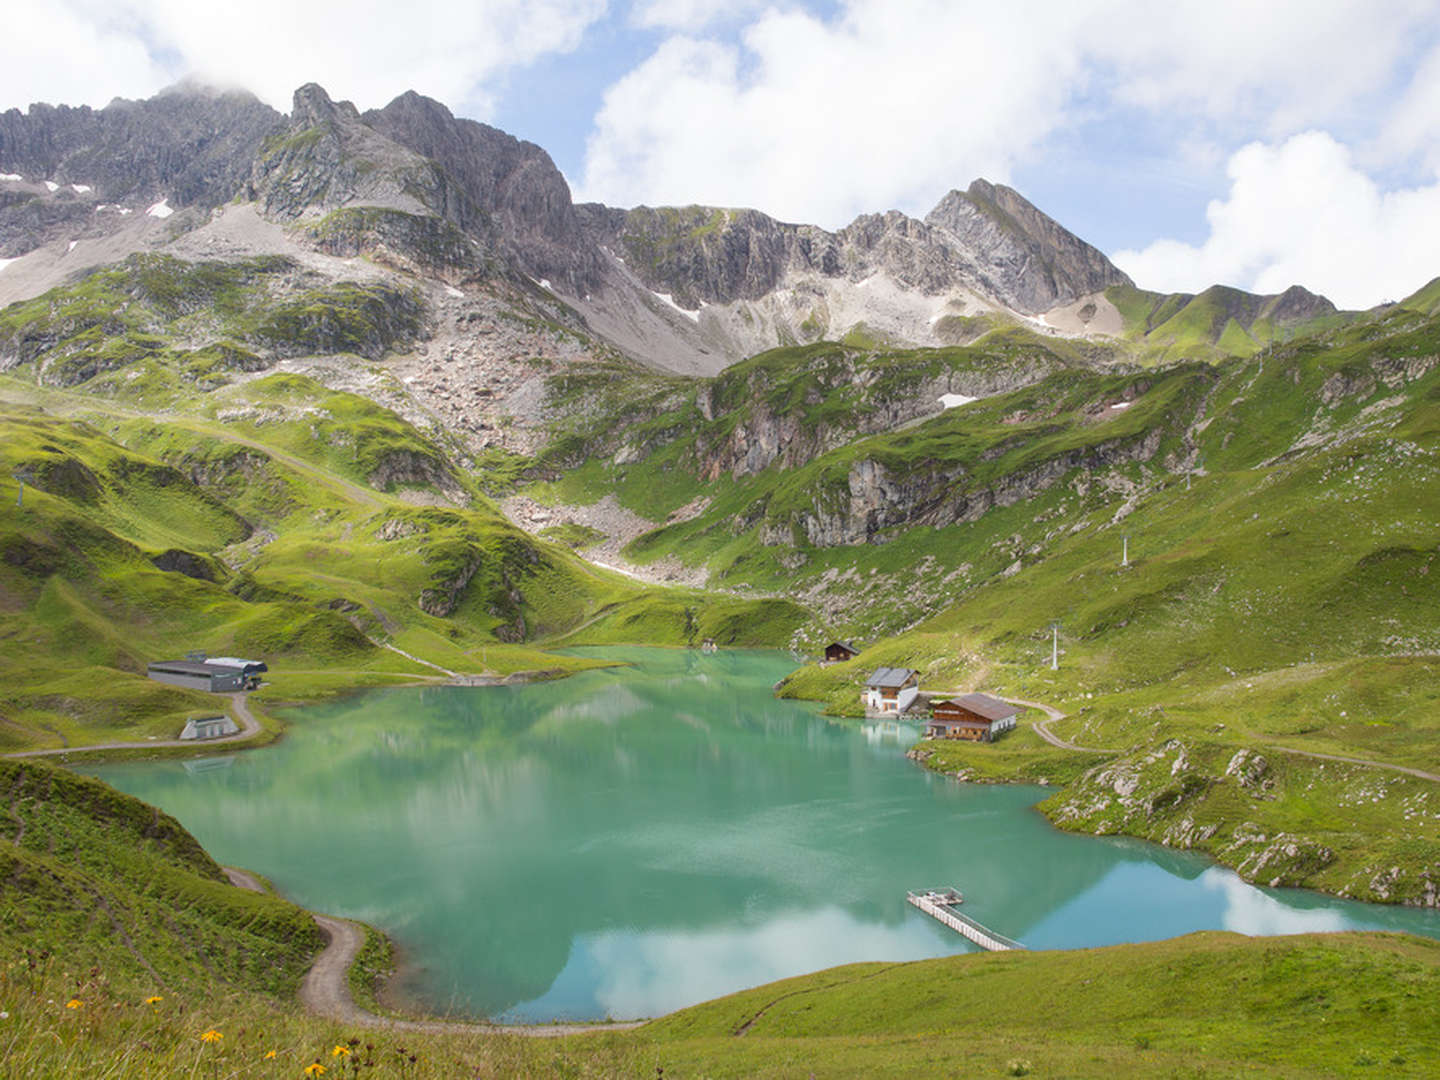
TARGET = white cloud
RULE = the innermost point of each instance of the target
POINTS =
(1283, 64)
(814, 120)
(1412, 127)
(1257, 914)
(449, 49)
(690, 15)
(654, 973)
(57, 52)
(889, 103)
(1301, 212)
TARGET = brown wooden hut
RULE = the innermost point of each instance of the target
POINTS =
(979, 717)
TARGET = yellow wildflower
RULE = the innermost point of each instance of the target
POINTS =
(211, 1036)
(315, 1070)
(269, 1055)
(340, 1051)
(154, 999)
(74, 1003)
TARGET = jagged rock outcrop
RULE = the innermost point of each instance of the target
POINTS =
(988, 239)
(765, 436)
(1024, 258)
(708, 254)
(420, 191)
(875, 499)
(417, 242)
(365, 319)
(329, 157)
(29, 218)
(410, 469)
(191, 143)
(513, 182)
(180, 561)
(442, 595)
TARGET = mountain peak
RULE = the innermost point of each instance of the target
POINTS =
(312, 105)
(1034, 263)
(980, 188)
(197, 86)
(414, 103)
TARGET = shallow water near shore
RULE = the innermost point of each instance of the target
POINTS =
(633, 840)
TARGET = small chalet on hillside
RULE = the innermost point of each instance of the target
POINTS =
(978, 717)
(891, 690)
(837, 652)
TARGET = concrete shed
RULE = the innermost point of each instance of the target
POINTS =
(210, 727)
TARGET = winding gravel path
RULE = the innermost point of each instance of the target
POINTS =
(325, 990)
(239, 706)
(1042, 727)
(1421, 773)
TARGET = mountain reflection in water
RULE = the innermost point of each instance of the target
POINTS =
(629, 841)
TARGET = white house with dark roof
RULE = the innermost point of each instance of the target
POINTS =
(891, 690)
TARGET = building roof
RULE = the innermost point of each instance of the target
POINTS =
(236, 662)
(954, 719)
(891, 678)
(984, 705)
(192, 667)
(842, 645)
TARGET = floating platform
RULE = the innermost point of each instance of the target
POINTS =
(941, 904)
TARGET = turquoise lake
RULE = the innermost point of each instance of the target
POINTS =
(637, 839)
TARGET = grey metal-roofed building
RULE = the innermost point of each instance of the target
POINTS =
(200, 675)
(250, 667)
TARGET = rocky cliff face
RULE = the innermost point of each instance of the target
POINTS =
(191, 144)
(877, 500)
(989, 240)
(767, 435)
(329, 158)
(689, 289)
(513, 182)
(1022, 257)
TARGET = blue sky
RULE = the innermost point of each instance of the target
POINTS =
(1251, 144)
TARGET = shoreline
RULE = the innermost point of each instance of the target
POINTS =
(260, 734)
(1052, 811)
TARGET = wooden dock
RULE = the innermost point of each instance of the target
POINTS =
(941, 903)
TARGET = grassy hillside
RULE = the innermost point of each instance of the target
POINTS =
(180, 497)
(1218, 323)
(1280, 599)
(1199, 1005)
(1205, 1005)
(113, 895)
(125, 946)
(1278, 594)
(150, 538)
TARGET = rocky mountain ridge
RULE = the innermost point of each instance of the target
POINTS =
(690, 289)
(988, 240)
